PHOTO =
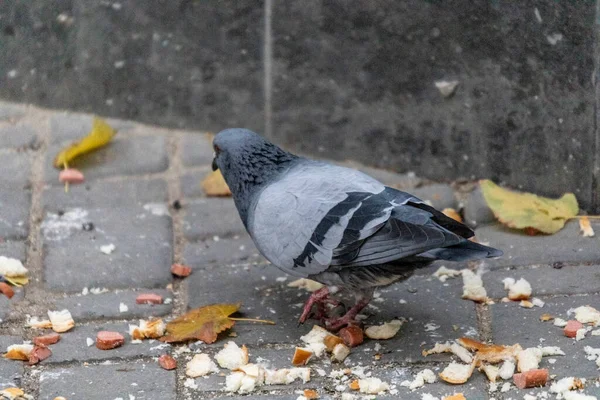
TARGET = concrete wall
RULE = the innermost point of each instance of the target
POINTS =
(342, 79)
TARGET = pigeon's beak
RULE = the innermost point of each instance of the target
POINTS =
(214, 164)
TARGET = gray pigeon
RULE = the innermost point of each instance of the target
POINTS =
(332, 224)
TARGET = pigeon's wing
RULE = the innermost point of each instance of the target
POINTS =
(298, 221)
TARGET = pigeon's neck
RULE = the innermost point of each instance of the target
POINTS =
(254, 172)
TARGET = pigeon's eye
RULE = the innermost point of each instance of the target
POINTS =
(217, 149)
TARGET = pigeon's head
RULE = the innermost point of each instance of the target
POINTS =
(233, 144)
(247, 162)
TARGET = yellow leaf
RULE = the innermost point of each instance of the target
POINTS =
(99, 136)
(17, 280)
(452, 213)
(202, 323)
(528, 211)
(215, 185)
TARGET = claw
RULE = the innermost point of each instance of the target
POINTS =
(317, 297)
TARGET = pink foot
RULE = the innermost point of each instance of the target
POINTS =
(335, 324)
(317, 297)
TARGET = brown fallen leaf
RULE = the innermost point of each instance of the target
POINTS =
(205, 323)
(528, 211)
(452, 213)
(214, 185)
(99, 136)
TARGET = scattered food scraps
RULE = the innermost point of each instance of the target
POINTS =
(108, 249)
(352, 335)
(19, 351)
(167, 362)
(571, 328)
(443, 273)
(385, 331)
(529, 359)
(123, 308)
(457, 396)
(153, 329)
(200, 365)
(107, 340)
(13, 271)
(422, 377)
(517, 290)
(99, 136)
(340, 352)
(372, 385)
(36, 323)
(214, 184)
(587, 315)
(306, 284)
(525, 210)
(446, 88)
(453, 348)
(46, 340)
(181, 270)
(39, 353)
(531, 378)
(62, 321)
(456, 373)
(473, 287)
(6, 290)
(149, 298)
(586, 227)
(310, 394)
(301, 356)
(231, 356)
(71, 175)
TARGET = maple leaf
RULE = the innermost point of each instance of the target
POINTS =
(203, 323)
(214, 184)
(528, 211)
(99, 136)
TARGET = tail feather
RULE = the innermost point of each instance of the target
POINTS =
(464, 251)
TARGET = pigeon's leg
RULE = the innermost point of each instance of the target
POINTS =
(362, 300)
(317, 297)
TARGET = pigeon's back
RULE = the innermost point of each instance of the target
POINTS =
(319, 217)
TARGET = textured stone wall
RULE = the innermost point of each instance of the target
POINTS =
(346, 80)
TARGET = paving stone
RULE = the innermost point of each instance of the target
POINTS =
(17, 136)
(10, 371)
(101, 382)
(15, 168)
(476, 210)
(196, 149)
(211, 217)
(13, 249)
(440, 196)
(565, 246)
(66, 126)
(404, 181)
(122, 156)
(263, 296)
(14, 212)
(107, 305)
(73, 345)
(7, 305)
(513, 324)
(11, 111)
(546, 280)
(73, 259)
(104, 194)
(191, 183)
(236, 250)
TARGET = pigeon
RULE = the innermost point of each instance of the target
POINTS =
(334, 225)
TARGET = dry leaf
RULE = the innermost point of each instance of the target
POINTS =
(202, 323)
(99, 136)
(452, 213)
(585, 227)
(526, 210)
(215, 185)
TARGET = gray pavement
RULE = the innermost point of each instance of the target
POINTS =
(129, 196)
